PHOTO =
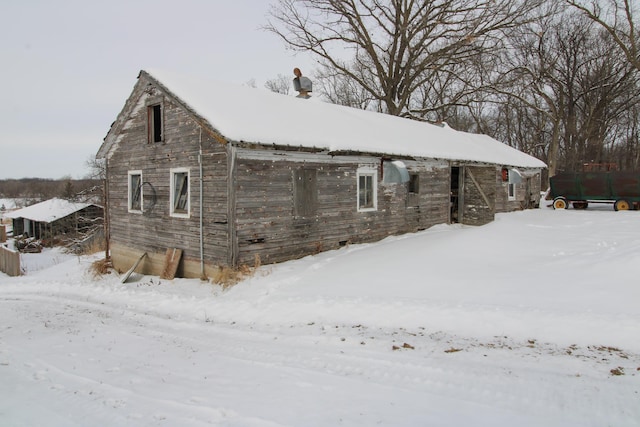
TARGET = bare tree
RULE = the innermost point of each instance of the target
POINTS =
(627, 132)
(68, 191)
(338, 89)
(98, 175)
(617, 18)
(392, 48)
(280, 84)
(568, 88)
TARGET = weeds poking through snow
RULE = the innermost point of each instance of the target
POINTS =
(405, 345)
(227, 276)
(617, 371)
(100, 267)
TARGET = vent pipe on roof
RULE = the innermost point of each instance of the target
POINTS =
(302, 84)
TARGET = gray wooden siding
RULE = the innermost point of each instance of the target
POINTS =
(265, 203)
(527, 192)
(479, 195)
(155, 230)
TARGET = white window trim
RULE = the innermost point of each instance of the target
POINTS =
(367, 171)
(172, 172)
(511, 184)
(129, 195)
(509, 195)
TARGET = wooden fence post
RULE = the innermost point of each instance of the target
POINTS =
(9, 261)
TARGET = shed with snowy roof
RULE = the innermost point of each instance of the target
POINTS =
(232, 174)
(53, 217)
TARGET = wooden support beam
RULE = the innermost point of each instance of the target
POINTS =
(484, 196)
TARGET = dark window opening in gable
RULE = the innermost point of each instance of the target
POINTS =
(414, 183)
(154, 115)
(305, 192)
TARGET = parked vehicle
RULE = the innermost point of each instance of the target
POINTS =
(622, 189)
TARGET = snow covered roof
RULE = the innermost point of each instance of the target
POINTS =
(252, 115)
(259, 116)
(8, 204)
(48, 211)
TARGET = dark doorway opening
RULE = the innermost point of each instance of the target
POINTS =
(455, 190)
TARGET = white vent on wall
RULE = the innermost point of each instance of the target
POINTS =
(395, 172)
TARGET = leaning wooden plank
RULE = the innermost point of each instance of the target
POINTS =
(479, 188)
(171, 261)
(128, 273)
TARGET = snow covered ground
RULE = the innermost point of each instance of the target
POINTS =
(532, 320)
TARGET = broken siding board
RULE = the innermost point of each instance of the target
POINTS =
(128, 274)
(171, 261)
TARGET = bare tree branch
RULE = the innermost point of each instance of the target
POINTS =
(391, 48)
(280, 84)
(618, 21)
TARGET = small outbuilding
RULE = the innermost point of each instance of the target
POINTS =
(230, 174)
(53, 217)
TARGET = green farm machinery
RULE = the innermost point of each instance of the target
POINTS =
(622, 189)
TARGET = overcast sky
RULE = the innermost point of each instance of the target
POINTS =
(68, 67)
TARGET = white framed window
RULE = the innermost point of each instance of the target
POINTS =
(512, 191)
(367, 189)
(135, 195)
(180, 193)
(514, 178)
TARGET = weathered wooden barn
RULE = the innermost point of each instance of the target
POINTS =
(53, 217)
(229, 173)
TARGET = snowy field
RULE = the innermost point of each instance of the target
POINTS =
(532, 320)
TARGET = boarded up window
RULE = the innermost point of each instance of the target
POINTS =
(305, 192)
(413, 190)
(414, 183)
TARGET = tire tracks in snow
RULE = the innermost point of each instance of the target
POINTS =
(482, 373)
